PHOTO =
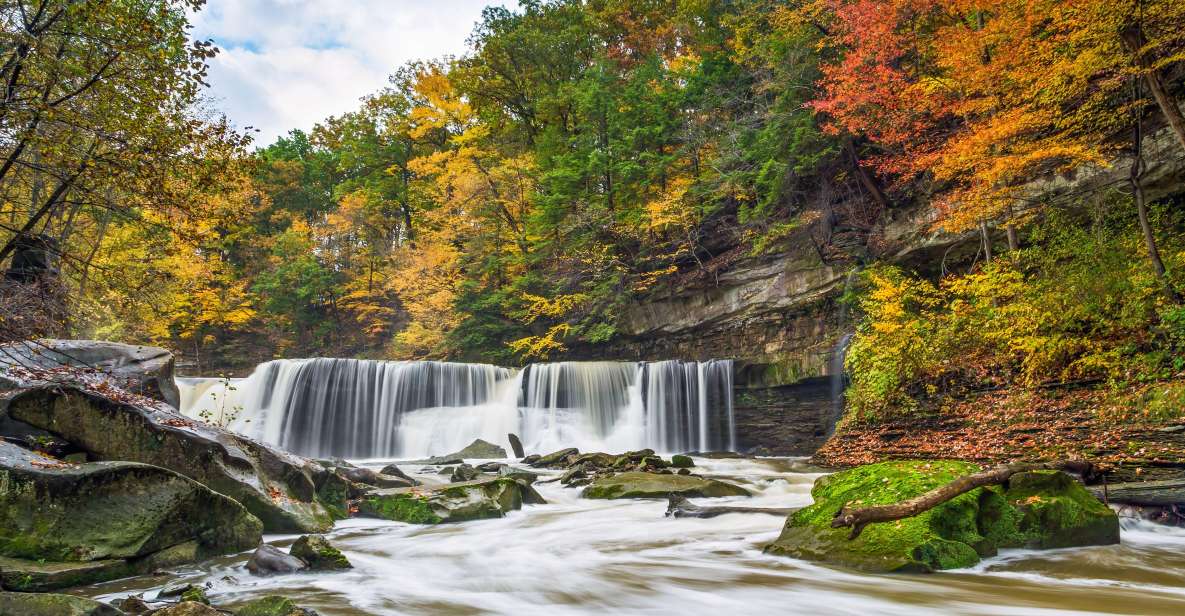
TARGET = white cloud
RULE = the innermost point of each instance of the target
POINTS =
(290, 63)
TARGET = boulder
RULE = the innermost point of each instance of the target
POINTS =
(458, 502)
(654, 485)
(134, 605)
(394, 471)
(682, 461)
(143, 370)
(287, 493)
(366, 476)
(516, 446)
(184, 591)
(463, 472)
(188, 608)
(518, 474)
(268, 560)
(1036, 510)
(318, 553)
(478, 449)
(556, 458)
(38, 604)
(123, 513)
(273, 605)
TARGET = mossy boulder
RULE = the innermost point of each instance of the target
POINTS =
(284, 491)
(1035, 510)
(188, 608)
(41, 576)
(560, 459)
(273, 605)
(47, 604)
(655, 485)
(111, 511)
(682, 461)
(319, 553)
(458, 502)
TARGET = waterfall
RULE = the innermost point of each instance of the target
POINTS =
(380, 409)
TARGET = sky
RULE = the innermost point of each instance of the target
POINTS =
(289, 64)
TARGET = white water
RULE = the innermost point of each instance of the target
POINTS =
(371, 409)
(583, 557)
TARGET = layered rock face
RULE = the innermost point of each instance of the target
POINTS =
(143, 370)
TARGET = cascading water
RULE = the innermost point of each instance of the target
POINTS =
(377, 409)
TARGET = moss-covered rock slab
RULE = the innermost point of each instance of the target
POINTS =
(273, 605)
(1036, 510)
(37, 604)
(282, 490)
(56, 511)
(657, 485)
(319, 554)
(458, 502)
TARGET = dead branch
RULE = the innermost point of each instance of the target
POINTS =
(857, 519)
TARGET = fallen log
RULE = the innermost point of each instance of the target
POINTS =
(857, 519)
(679, 507)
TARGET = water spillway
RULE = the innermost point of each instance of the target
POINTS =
(380, 409)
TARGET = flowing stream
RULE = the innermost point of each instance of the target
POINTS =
(575, 556)
(368, 409)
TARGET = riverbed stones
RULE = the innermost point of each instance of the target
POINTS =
(1035, 510)
(654, 485)
(188, 608)
(319, 554)
(459, 502)
(56, 512)
(270, 560)
(273, 605)
(49, 604)
(284, 491)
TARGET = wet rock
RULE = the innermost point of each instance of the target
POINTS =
(319, 554)
(517, 474)
(184, 591)
(47, 604)
(41, 576)
(561, 458)
(531, 459)
(491, 467)
(134, 606)
(478, 449)
(516, 446)
(188, 608)
(530, 495)
(144, 370)
(366, 476)
(287, 493)
(654, 485)
(394, 471)
(268, 560)
(273, 605)
(682, 461)
(684, 471)
(463, 472)
(1036, 510)
(122, 512)
(458, 502)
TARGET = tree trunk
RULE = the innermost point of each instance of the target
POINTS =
(1136, 177)
(987, 241)
(866, 180)
(1134, 41)
(857, 519)
(1013, 241)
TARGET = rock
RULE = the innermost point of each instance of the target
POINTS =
(478, 449)
(531, 459)
(682, 461)
(491, 467)
(134, 605)
(518, 474)
(38, 604)
(684, 471)
(1037, 510)
(458, 502)
(394, 471)
(654, 485)
(516, 446)
(530, 495)
(287, 493)
(144, 370)
(318, 553)
(273, 605)
(269, 559)
(368, 477)
(557, 458)
(55, 511)
(463, 472)
(41, 576)
(188, 608)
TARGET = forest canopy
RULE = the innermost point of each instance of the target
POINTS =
(511, 203)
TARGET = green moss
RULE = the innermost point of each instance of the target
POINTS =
(401, 508)
(271, 605)
(1038, 510)
(196, 594)
(318, 553)
(682, 461)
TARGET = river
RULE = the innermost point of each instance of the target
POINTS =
(576, 556)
